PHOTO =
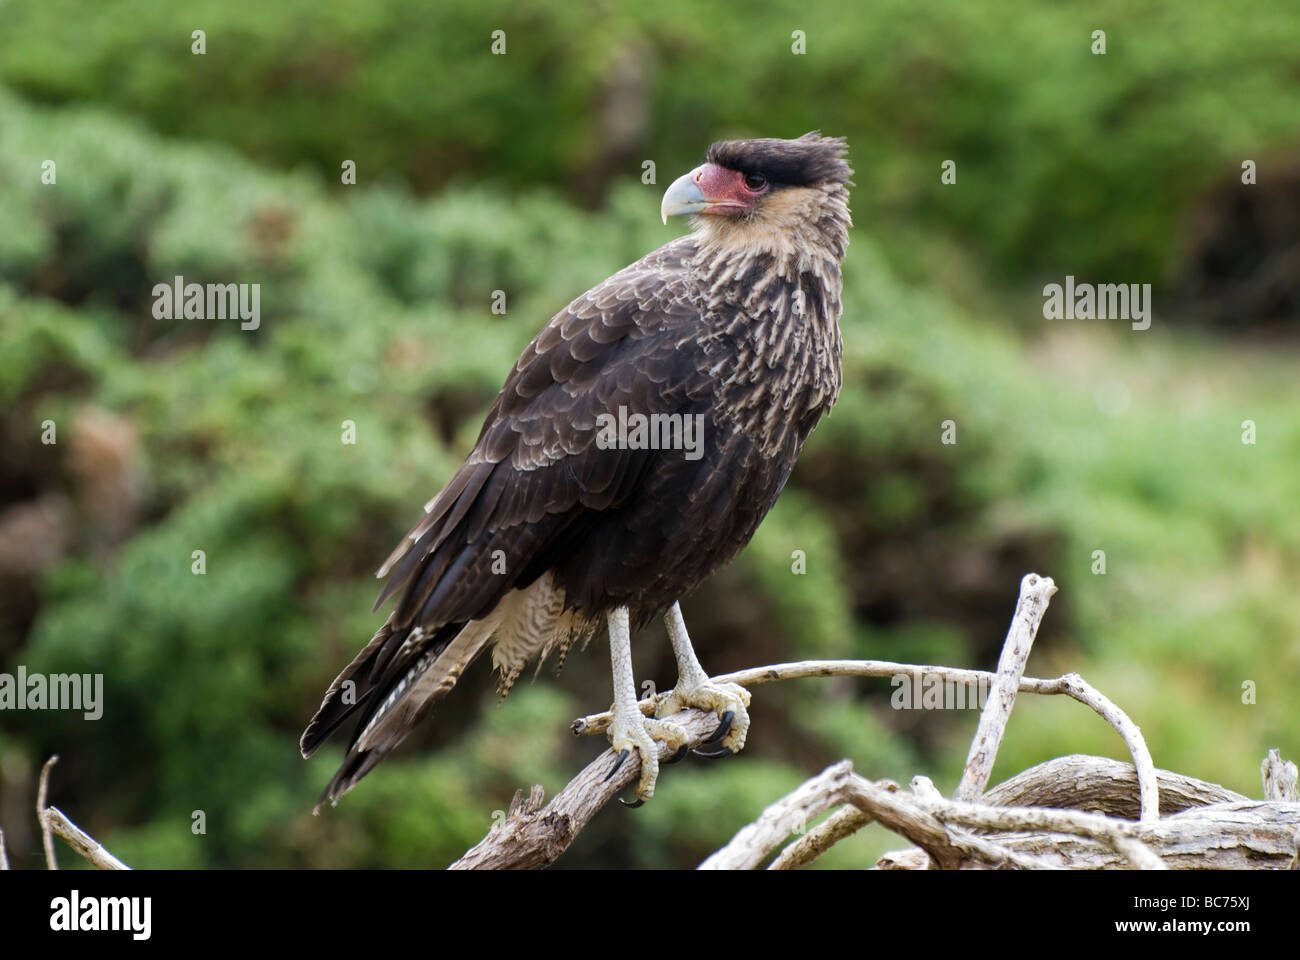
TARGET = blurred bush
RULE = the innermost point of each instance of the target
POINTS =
(1066, 161)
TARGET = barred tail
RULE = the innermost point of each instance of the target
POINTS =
(394, 682)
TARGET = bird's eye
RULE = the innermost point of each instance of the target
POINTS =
(755, 181)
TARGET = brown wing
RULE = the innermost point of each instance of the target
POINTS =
(536, 478)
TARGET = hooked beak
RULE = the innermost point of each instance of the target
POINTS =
(683, 196)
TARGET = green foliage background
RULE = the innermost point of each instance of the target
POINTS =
(480, 172)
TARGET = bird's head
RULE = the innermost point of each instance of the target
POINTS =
(748, 189)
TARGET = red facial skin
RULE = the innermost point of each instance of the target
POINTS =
(725, 190)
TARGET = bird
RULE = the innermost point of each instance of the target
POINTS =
(635, 447)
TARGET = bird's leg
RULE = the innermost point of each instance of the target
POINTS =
(630, 729)
(694, 689)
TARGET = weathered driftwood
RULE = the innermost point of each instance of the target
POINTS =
(1227, 834)
(1101, 785)
(1073, 812)
(1249, 835)
(926, 819)
(1089, 784)
(1279, 778)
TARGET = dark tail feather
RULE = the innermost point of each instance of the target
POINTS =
(401, 694)
(376, 667)
(345, 694)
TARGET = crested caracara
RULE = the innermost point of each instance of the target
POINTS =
(634, 448)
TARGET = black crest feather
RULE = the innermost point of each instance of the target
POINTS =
(809, 160)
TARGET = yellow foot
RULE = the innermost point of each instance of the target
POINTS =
(728, 700)
(634, 732)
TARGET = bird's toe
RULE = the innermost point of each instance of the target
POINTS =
(729, 701)
(643, 735)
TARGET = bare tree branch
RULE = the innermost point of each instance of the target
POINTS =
(82, 842)
(533, 835)
(53, 820)
(788, 815)
(51, 861)
(1119, 834)
(906, 814)
(1148, 786)
(1090, 784)
(1035, 593)
(844, 822)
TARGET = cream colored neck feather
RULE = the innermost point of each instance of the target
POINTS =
(794, 226)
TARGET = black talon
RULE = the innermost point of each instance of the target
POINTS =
(714, 755)
(681, 752)
(636, 803)
(723, 726)
(617, 763)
